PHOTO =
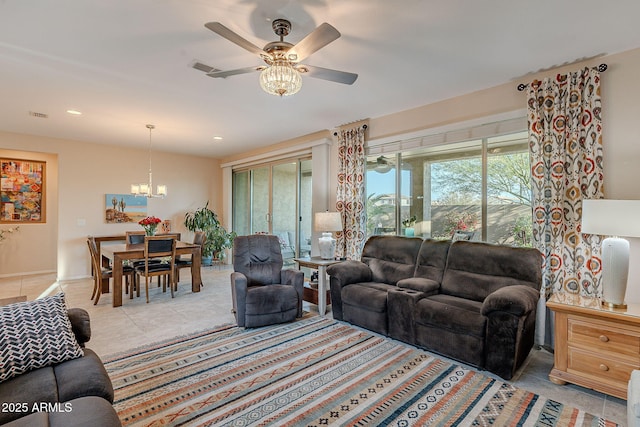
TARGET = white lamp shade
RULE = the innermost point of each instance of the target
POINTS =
(162, 190)
(607, 217)
(328, 221)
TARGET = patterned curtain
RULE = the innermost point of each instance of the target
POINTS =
(565, 141)
(351, 192)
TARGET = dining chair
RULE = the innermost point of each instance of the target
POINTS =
(163, 247)
(185, 262)
(134, 237)
(100, 273)
(137, 238)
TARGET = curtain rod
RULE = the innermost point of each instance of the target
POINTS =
(363, 127)
(601, 68)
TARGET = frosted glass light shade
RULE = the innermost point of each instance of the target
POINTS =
(280, 79)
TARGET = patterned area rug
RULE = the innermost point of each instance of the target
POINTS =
(315, 372)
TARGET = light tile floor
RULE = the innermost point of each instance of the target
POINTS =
(137, 323)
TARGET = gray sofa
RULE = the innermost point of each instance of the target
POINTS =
(471, 301)
(76, 392)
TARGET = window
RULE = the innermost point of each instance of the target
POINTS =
(479, 187)
(275, 198)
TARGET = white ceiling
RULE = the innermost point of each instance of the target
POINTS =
(126, 63)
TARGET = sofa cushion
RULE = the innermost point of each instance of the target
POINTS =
(35, 334)
(365, 304)
(94, 380)
(86, 411)
(34, 386)
(474, 269)
(369, 295)
(270, 304)
(391, 258)
(451, 326)
(432, 259)
(459, 315)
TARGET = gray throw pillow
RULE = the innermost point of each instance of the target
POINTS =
(34, 334)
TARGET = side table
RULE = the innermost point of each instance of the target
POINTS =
(321, 265)
(595, 347)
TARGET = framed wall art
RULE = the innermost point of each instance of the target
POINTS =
(22, 191)
(124, 208)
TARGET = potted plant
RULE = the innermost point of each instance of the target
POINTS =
(408, 224)
(217, 237)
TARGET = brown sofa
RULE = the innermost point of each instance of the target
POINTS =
(76, 392)
(471, 301)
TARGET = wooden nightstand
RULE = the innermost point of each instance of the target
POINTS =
(595, 347)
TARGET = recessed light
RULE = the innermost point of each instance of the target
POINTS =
(74, 112)
(217, 138)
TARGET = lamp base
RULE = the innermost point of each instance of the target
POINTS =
(327, 246)
(613, 305)
(615, 271)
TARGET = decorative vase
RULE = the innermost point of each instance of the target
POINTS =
(150, 230)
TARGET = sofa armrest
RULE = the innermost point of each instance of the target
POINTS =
(80, 324)
(344, 274)
(517, 300)
(294, 278)
(239, 296)
(350, 272)
(420, 284)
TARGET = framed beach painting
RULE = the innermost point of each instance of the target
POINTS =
(22, 191)
(121, 208)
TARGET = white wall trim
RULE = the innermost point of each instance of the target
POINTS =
(283, 153)
(442, 131)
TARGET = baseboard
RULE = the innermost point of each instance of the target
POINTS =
(26, 273)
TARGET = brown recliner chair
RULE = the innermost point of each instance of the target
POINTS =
(263, 293)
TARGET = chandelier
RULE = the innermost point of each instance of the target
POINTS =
(146, 189)
(280, 78)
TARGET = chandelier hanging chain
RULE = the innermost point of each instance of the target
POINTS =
(150, 127)
(146, 189)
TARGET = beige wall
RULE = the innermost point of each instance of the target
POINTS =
(79, 174)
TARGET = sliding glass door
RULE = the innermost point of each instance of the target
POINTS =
(269, 199)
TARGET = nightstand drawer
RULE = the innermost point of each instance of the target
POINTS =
(592, 364)
(602, 337)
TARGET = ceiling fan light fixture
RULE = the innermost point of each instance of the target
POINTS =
(280, 79)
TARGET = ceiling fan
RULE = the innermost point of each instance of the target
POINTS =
(281, 74)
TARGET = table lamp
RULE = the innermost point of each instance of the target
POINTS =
(613, 218)
(327, 222)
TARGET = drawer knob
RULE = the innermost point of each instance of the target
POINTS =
(604, 367)
(604, 338)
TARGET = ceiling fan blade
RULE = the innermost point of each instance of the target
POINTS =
(223, 74)
(328, 74)
(223, 31)
(202, 67)
(317, 39)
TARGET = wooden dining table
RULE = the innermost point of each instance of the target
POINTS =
(116, 253)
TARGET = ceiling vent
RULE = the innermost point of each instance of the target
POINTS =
(39, 115)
